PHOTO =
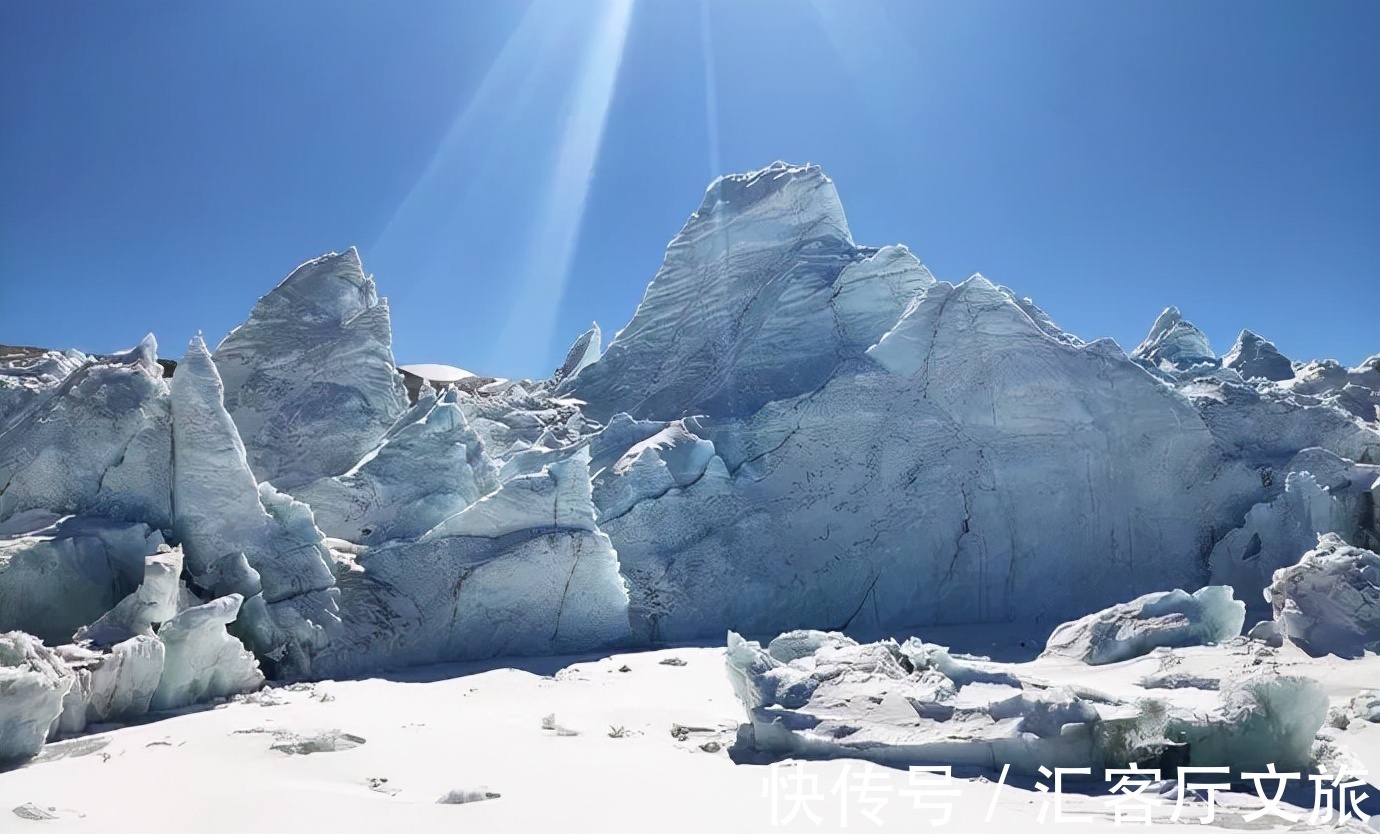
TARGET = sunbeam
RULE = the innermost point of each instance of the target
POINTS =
(711, 95)
(528, 334)
(513, 67)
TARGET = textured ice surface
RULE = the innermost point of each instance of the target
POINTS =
(902, 480)
(202, 660)
(524, 570)
(33, 681)
(121, 683)
(793, 431)
(95, 444)
(29, 374)
(1256, 358)
(309, 378)
(429, 466)
(818, 695)
(922, 487)
(240, 537)
(1329, 603)
(747, 281)
(1175, 345)
(60, 574)
(1277, 533)
(1165, 618)
(583, 353)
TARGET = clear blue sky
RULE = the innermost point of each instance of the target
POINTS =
(511, 172)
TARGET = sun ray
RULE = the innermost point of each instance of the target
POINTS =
(512, 68)
(527, 337)
(711, 97)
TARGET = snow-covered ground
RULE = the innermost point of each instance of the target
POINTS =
(467, 728)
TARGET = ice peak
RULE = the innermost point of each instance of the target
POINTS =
(1255, 357)
(143, 355)
(584, 352)
(976, 283)
(197, 351)
(1174, 344)
(801, 196)
(331, 289)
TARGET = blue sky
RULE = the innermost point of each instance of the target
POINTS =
(512, 171)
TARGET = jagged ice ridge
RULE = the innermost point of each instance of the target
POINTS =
(793, 431)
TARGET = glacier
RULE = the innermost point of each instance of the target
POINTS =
(793, 431)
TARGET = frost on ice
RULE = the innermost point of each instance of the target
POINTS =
(793, 431)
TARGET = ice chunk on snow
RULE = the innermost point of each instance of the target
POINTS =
(793, 645)
(1263, 719)
(309, 377)
(1167, 618)
(916, 704)
(122, 682)
(203, 661)
(33, 681)
(1329, 603)
(868, 701)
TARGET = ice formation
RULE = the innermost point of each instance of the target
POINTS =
(203, 661)
(818, 695)
(241, 537)
(33, 682)
(794, 430)
(1166, 618)
(96, 442)
(309, 378)
(1256, 358)
(59, 574)
(1329, 603)
(1175, 345)
(155, 602)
